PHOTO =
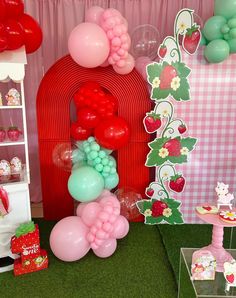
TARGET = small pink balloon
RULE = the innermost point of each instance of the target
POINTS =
(98, 242)
(80, 208)
(121, 52)
(103, 216)
(112, 218)
(100, 234)
(107, 227)
(121, 228)
(111, 22)
(127, 68)
(93, 230)
(117, 30)
(125, 46)
(106, 249)
(121, 63)
(88, 45)
(115, 57)
(90, 237)
(68, 239)
(98, 224)
(90, 213)
(94, 245)
(124, 38)
(93, 14)
(110, 34)
(111, 60)
(116, 41)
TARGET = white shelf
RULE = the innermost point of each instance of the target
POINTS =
(10, 143)
(10, 107)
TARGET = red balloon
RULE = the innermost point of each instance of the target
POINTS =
(2, 10)
(112, 133)
(88, 118)
(62, 156)
(14, 8)
(79, 133)
(32, 33)
(14, 34)
(3, 38)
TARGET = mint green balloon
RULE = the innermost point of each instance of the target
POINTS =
(232, 45)
(225, 29)
(216, 51)
(85, 184)
(232, 23)
(212, 27)
(111, 181)
(225, 8)
(232, 33)
(203, 41)
(79, 164)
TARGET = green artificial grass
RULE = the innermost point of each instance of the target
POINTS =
(139, 268)
(191, 236)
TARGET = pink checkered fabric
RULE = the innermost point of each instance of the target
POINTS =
(210, 117)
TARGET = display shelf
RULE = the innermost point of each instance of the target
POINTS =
(10, 143)
(10, 107)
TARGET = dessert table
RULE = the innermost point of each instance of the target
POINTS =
(216, 246)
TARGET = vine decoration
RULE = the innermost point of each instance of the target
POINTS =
(168, 79)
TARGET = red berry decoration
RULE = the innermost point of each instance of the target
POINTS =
(192, 39)
(162, 51)
(152, 122)
(78, 132)
(13, 133)
(158, 208)
(177, 183)
(173, 146)
(112, 133)
(182, 128)
(149, 192)
(87, 118)
(167, 75)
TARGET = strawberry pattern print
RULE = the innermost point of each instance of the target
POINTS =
(169, 83)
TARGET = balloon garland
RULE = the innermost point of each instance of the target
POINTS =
(18, 29)
(219, 32)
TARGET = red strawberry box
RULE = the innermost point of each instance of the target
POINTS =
(32, 264)
(28, 245)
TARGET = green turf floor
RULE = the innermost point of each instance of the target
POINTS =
(139, 268)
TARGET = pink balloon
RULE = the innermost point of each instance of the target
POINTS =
(80, 208)
(106, 249)
(90, 213)
(127, 68)
(88, 45)
(68, 239)
(93, 14)
(121, 228)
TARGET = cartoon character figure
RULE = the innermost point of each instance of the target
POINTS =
(224, 197)
(203, 265)
(13, 97)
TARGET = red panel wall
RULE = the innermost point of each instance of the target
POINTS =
(56, 91)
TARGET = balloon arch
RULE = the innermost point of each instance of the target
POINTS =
(55, 93)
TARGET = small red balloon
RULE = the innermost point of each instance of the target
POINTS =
(112, 133)
(14, 35)
(33, 35)
(78, 132)
(14, 8)
(87, 118)
(2, 10)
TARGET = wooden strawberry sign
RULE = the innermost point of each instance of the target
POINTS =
(169, 81)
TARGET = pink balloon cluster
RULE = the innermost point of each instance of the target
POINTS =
(102, 40)
(116, 28)
(97, 226)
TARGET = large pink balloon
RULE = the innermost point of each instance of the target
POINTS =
(88, 45)
(121, 228)
(106, 249)
(68, 239)
(127, 68)
(90, 213)
(93, 14)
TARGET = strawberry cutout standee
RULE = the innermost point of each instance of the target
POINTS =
(191, 39)
(169, 80)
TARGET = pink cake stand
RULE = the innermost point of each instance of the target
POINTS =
(216, 246)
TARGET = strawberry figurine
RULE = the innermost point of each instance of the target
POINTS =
(152, 122)
(167, 75)
(173, 146)
(149, 192)
(182, 128)
(177, 183)
(158, 208)
(2, 134)
(162, 51)
(13, 133)
(192, 39)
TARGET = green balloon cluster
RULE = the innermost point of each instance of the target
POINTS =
(90, 153)
(219, 32)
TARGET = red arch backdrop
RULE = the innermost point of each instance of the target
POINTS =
(55, 93)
